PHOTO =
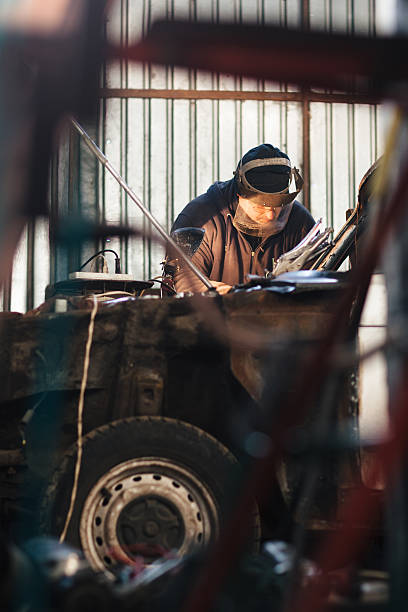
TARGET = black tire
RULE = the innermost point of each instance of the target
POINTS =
(146, 485)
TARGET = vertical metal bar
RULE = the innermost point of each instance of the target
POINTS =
(262, 82)
(329, 163)
(238, 80)
(148, 186)
(146, 143)
(238, 84)
(261, 121)
(351, 118)
(216, 140)
(305, 15)
(306, 150)
(193, 111)
(306, 119)
(169, 135)
(216, 107)
(373, 134)
(102, 144)
(374, 152)
(283, 86)
(169, 164)
(329, 16)
(124, 242)
(53, 216)
(73, 161)
(7, 292)
(350, 17)
(352, 154)
(193, 149)
(101, 173)
(329, 130)
(30, 264)
(372, 17)
(238, 109)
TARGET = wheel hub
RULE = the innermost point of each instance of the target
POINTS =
(146, 507)
(151, 521)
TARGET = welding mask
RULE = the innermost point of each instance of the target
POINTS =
(266, 200)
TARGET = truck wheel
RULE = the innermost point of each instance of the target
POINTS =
(147, 485)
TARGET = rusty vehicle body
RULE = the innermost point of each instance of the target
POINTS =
(150, 358)
(176, 391)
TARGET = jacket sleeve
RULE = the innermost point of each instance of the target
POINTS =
(185, 279)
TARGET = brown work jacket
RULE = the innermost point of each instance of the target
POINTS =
(225, 253)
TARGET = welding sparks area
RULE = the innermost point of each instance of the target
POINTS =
(202, 262)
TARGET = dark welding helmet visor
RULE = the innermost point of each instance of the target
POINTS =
(267, 198)
(257, 198)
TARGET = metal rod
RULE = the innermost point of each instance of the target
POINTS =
(213, 94)
(105, 162)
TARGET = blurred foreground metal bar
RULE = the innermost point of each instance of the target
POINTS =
(297, 405)
(370, 66)
(105, 162)
(346, 544)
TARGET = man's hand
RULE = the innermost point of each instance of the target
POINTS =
(221, 288)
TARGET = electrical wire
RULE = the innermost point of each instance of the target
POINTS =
(109, 294)
(80, 418)
(94, 263)
(158, 279)
(117, 258)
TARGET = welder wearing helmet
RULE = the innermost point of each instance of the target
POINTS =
(249, 221)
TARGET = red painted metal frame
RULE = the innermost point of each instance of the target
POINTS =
(310, 380)
(370, 66)
(356, 65)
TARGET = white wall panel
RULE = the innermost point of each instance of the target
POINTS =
(136, 165)
(320, 191)
(182, 158)
(292, 142)
(205, 126)
(228, 120)
(158, 178)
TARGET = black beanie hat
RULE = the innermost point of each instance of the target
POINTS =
(270, 179)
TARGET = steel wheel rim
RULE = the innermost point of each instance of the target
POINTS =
(181, 504)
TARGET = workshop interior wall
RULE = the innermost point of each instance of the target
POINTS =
(172, 132)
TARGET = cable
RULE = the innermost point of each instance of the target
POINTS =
(109, 295)
(79, 421)
(117, 259)
(94, 262)
(163, 284)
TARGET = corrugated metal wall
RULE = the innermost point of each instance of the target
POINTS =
(172, 132)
